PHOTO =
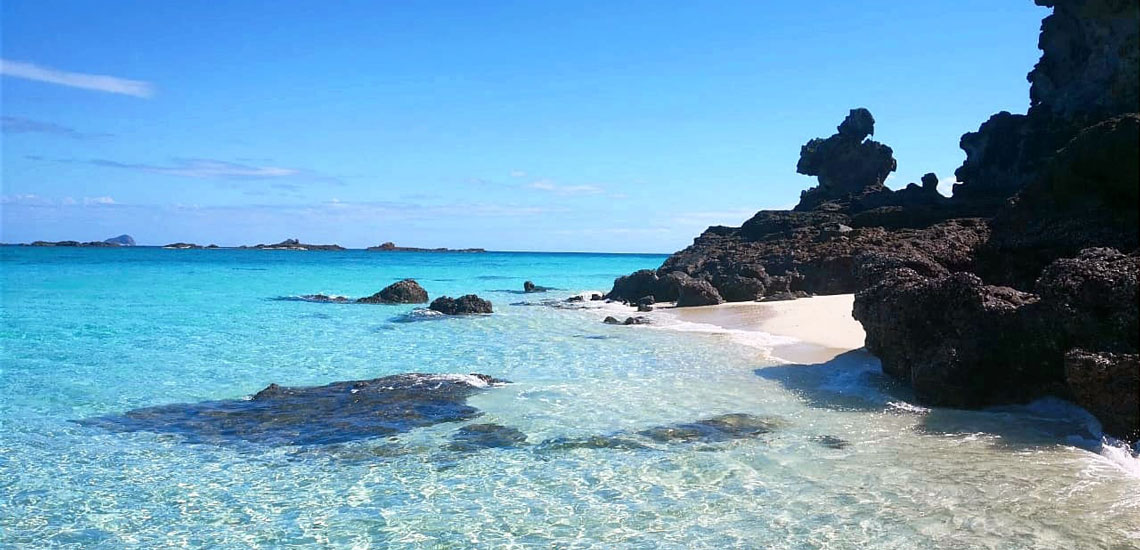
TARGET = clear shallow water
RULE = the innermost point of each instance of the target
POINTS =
(90, 332)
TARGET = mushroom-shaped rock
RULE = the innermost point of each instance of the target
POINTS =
(463, 305)
(407, 291)
(848, 165)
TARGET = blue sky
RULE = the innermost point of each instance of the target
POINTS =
(570, 126)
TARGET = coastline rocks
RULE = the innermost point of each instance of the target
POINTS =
(639, 320)
(1108, 385)
(121, 240)
(183, 246)
(1086, 196)
(695, 292)
(407, 291)
(320, 415)
(464, 305)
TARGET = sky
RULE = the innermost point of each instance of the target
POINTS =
(552, 126)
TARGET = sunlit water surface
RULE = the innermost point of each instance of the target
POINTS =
(92, 332)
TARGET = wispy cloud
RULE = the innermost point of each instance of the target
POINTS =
(97, 82)
(36, 201)
(20, 125)
(204, 169)
(551, 187)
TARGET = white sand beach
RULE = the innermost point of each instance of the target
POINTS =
(823, 325)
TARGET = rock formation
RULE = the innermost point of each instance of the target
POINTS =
(294, 244)
(1021, 284)
(463, 305)
(121, 240)
(391, 247)
(849, 165)
(407, 291)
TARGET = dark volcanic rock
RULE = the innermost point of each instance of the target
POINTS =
(407, 291)
(695, 292)
(1108, 385)
(849, 165)
(463, 305)
(531, 287)
(1092, 301)
(476, 437)
(611, 320)
(336, 413)
(1086, 196)
(954, 339)
(320, 298)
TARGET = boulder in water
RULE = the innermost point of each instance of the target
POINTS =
(463, 305)
(407, 291)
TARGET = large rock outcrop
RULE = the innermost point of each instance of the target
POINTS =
(1023, 283)
(407, 291)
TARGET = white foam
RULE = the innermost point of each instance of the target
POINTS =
(1121, 455)
(469, 379)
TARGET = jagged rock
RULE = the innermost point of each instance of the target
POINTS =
(1092, 301)
(639, 320)
(611, 320)
(848, 165)
(335, 413)
(322, 298)
(644, 308)
(464, 305)
(738, 288)
(407, 291)
(1086, 196)
(694, 292)
(1108, 385)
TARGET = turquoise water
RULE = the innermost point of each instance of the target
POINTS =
(95, 332)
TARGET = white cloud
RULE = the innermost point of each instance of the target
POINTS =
(96, 201)
(549, 186)
(100, 83)
(518, 174)
(946, 185)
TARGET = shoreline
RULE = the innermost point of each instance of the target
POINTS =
(819, 328)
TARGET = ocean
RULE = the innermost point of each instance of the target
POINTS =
(608, 436)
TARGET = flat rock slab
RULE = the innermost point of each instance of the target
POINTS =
(319, 415)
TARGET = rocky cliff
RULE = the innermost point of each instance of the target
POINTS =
(1022, 284)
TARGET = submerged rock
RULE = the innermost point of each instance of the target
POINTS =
(464, 305)
(319, 415)
(485, 436)
(718, 428)
(407, 291)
